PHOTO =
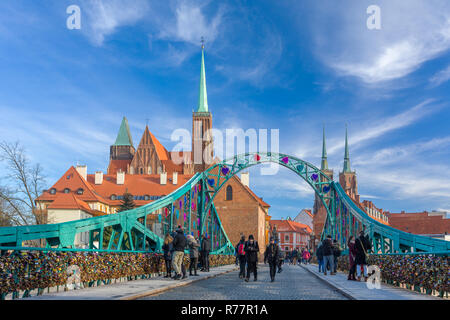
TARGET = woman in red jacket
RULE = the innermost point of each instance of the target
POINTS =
(351, 258)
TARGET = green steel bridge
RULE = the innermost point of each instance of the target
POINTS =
(192, 206)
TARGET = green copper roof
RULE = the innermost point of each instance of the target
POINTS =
(124, 136)
(203, 97)
(346, 156)
(324, 165)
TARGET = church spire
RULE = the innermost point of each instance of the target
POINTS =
(324, 165)
(124, 136)
(346, 155)
(203, 98)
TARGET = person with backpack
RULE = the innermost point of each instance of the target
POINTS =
(336, 254)
(206, 248)
(271, 255)
(240, 253)
(251, 251)
(319, 254)
(328, 258)
(362, 246)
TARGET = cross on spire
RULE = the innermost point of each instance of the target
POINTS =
(202, 40)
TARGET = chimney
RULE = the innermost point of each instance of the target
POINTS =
(175, 177)
(120, 177)
(163, 178)
(99, 177)
(82, 170)
(245, 178)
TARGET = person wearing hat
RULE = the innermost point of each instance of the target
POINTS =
(251, 251)
(271, 255)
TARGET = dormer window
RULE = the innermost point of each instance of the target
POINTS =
(52, 191)
(146, 197)
(113, 197)
(66, 190)
(80, 191)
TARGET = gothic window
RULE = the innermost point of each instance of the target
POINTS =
(141, 170)
(229, 193)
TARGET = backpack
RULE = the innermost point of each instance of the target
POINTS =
(241, 251)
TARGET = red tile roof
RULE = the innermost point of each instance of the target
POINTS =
(288, 225)
(116, 165)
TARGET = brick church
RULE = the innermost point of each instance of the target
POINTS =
(151, 172)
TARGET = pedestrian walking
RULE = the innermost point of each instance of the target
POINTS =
(362, 245)
(328, 258)
(271, 256)
(281, 258)
(251, 251)
(206, 248)
(306, 255)
(294, 256)
(319, 255)
(193, 254)
(179, 245)
(240, 253)
(351, 258)
(299, 257)
(167, 253)
(336, 254)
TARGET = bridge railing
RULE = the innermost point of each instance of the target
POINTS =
(25, 273)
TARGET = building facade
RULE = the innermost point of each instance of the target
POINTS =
(290, 234)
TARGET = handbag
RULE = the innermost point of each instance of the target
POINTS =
(364, 249)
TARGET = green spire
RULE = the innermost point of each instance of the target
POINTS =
(346, 156)
(203, 98)
(124, 136)
(324, 165)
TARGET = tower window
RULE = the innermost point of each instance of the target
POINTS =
(229, 193)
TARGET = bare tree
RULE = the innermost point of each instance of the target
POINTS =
(22, 184)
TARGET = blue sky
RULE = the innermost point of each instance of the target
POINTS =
(288, 65)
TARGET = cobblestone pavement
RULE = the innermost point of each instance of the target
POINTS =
(294, 283)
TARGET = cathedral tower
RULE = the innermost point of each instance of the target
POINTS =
(123, 148)
(347, 178)
(202, 140)
(319, 211)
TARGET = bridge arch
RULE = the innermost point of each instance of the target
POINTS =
(218, 175)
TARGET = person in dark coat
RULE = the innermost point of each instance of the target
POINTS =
(319, 254)
(193, 254)
(206, 248)
(251, 251)
(363, 246)
(167, 250)
(271, 255)
(351, 258)
(240, 254)
(179, 245)
(328, 258)
(336, 254)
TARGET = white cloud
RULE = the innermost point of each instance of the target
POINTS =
(440, 77)
(189, 24)
(105, 17)
(412, 32)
